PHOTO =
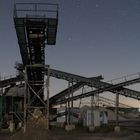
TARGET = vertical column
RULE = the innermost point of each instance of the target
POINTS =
(72, 111)
(13, 111)
(81, 98)
(48, 94)
(117, 128)
(25, 98)
(117, 110)
(66, 110)
(68, 103)
(1, 107)
(92, 111)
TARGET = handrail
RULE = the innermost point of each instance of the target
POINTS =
(8, 77)
(124, 78)
(37, 4)
(35, 8)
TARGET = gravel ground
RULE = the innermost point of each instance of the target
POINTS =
(35, 133)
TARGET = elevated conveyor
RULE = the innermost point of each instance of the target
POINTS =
(93, 82)
(80, 81)
(72, 88)
(10, 81)
(111, 103)
(36, 27)
(112, 88)
(102, 86)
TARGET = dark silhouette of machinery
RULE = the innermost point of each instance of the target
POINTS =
(36, 27)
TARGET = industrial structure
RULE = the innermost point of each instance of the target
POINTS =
(36, 27)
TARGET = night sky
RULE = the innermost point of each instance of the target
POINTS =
(95, 37)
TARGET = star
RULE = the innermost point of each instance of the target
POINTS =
(96, 5)
(69, 38)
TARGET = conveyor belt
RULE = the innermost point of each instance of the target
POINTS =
(36, 26)
(9, 81)
(65, 92)
(103, 89)
(103, 86)
(34, 31)
(73, 88)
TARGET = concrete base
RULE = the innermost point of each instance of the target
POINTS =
(117, 129)
(73, 126)
(91, 128)
(60, 125)
(19, 125)
(12, 127)
(70, 127)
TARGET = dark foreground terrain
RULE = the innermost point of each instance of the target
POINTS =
(34, 133)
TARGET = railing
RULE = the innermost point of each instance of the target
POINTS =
(124, 78)
(36, 10)
(113, 102)
(7, 77)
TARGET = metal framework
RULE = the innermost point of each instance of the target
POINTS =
(10, 81)
(117, 88)
(106, 102)
(111, 86)
(36, 27)
(79, 81)
(34, 99)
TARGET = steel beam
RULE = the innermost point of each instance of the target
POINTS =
(100, 84)
(101, 90)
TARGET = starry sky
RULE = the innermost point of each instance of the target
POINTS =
(95, 37)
